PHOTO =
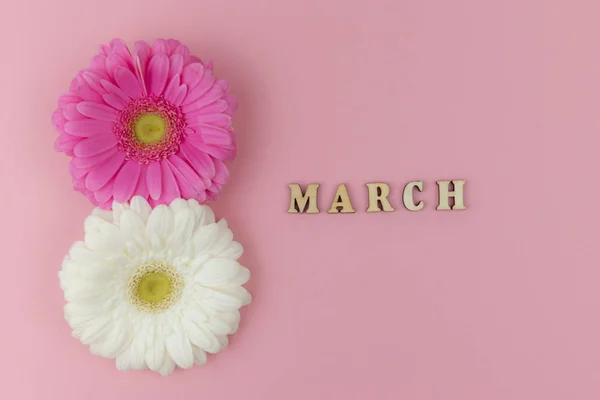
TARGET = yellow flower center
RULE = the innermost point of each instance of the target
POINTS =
(150, 128)
(154, 287)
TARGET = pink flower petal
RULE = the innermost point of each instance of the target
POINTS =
(58, 119)
(169, 191)
(104, 173)
(114, 101)
(126, 181)
(68, 98)
(205, 84)
(185, 187)
(172, 88)
(192, 74)
(96, 111)
(112, 62)
(219, 120)
(212, 196)
(140, 74)
(160, 46)
(95, 145)
(77, 173)
(104, 194)
(87, 93)
(187, 173)
(184, 51)
(195, 60)
(119, 47)
(172, 44)
(220, 153)
(158, 71)
(176, 61)
(219, 106)
(178, 98)
(142, 51)
(223, 83)
(70, 112)
(174, 93)
(213, 94)
(98, 65)
(127, 81)
(79, 184)
(222, 173)
(93, 81)
(200, 161)
(105, 49)
(113, 89)
(153, 180)
(142, 188)
(89, 127)
(232, 104)
(215, 136)
(65, 143)
(92, 161)
(73, 86)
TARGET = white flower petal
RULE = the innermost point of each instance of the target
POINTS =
(86, 270)
(200, 336)
(117, 209)
(233, 251)
(141, 207)
(168, 366)
(133, 229)
(124, 360)
(183, 228)
(231, 318)
(104, 214)
(195, 313)
(223, 341)
(242, 277)
(160, 224)
(220, 327)
(204, 215)
(96, 330)
(179, 204)
(225, 239)
(83, 255)
(138, 349)
(155, 352)
(204, 238)
(94, 223)
(217, 271)
(179, 347)
(225, 301)
(107, 239)
(199, 355)
(116, 342)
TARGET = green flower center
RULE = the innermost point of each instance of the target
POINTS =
(154, 287)
(150, 128)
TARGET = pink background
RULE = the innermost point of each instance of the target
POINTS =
(498, 302)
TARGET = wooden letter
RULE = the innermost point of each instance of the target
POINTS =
(445, 194)
(407, 196)
(378, 192)
(341, 199)
(298, 201)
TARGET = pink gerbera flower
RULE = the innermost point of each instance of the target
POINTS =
(154, 123)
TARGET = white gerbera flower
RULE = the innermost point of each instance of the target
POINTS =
(154, 288)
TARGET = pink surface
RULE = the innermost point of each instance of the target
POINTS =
(498, 302)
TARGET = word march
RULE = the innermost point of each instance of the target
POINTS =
(378, 192)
